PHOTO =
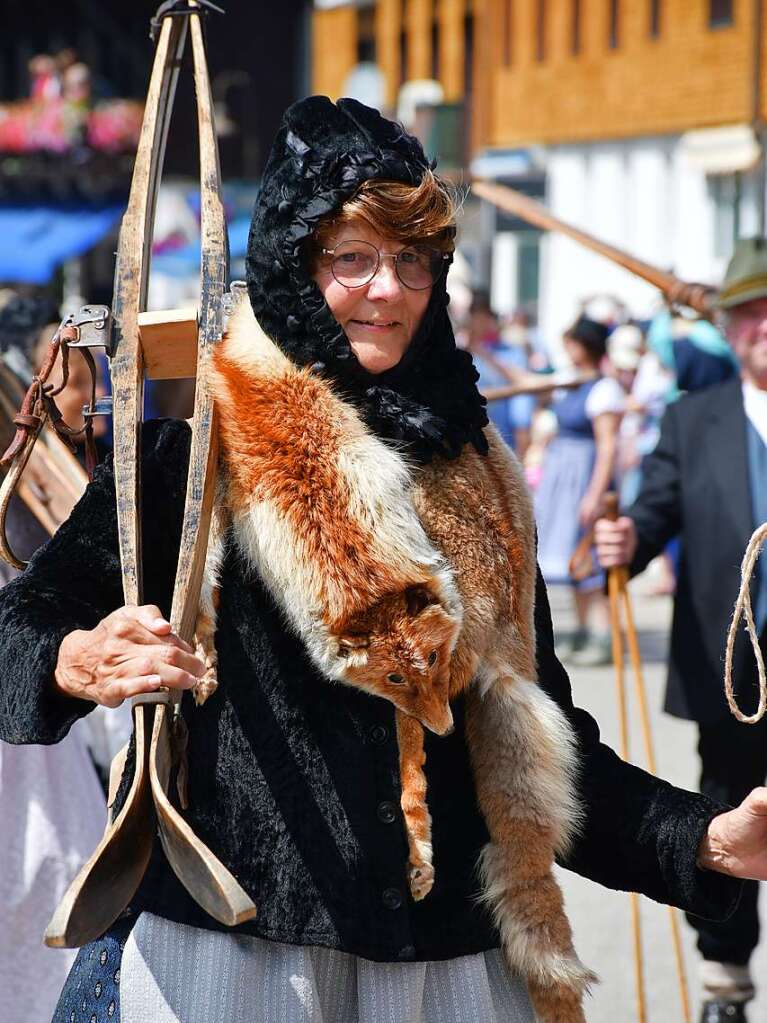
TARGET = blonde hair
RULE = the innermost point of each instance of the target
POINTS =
(406, 213)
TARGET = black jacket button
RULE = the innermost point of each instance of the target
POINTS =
(392, 898)
(379, 734)
(387, 812)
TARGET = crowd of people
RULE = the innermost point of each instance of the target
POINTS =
(685, 471)
(298, 785)
(590, 433)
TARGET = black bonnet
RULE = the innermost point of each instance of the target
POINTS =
(322, 154)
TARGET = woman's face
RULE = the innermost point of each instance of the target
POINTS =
(381, 317)
(578, 354)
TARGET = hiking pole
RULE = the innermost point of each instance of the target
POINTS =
(617, 582)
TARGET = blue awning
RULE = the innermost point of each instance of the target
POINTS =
(35, 240)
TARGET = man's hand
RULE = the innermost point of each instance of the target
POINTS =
(131, 651)
(736, 841)
(616, 542)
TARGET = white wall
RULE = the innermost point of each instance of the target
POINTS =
(642, 196)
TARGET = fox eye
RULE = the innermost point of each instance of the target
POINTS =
(432, 658)
(395, 678)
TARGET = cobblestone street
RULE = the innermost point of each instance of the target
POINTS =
(602, 919)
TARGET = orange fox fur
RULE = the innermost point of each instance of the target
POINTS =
(415, 585)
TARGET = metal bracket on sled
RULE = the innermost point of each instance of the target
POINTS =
(94, 327)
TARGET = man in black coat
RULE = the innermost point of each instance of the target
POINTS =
(706, 482)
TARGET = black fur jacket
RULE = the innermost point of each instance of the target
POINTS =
(299, 795)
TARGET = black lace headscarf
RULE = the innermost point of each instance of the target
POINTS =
(323, 152)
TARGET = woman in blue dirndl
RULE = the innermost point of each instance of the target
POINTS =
(577, 471)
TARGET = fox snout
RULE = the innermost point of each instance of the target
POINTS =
(440, 721)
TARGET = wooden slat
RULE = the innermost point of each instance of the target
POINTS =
(215, 269)
(169, 343)
(131, 280)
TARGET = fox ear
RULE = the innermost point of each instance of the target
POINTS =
(352, 642)
(417, 598)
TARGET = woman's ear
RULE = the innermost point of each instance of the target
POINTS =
(418, 597)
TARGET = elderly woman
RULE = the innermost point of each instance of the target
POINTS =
(295, 782)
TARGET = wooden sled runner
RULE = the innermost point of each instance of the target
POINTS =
(110, 878)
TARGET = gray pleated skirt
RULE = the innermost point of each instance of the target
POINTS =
(176, 974)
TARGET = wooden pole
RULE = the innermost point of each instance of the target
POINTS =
(617, 584)
(699, 297)
(641, 696)
(548, 382)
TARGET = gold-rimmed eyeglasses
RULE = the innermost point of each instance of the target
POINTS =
(355, 263)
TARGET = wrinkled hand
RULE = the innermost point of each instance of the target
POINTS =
(736, 841)
(615, 542)
(131, 651)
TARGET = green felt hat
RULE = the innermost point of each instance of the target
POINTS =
(746, 277)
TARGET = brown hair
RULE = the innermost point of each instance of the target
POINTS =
(406, 213)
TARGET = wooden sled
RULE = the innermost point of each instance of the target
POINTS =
(110, 878)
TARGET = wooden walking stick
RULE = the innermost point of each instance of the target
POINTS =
(617, 588)
(109, 879)
(699, 297)
(545, 384)
(616, 579)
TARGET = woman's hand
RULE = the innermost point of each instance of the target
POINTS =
(131, 651)
(736, 841)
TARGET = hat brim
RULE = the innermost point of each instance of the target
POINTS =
(730, 301)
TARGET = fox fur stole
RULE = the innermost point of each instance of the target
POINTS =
(414, 584)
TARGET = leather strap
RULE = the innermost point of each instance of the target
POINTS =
(37, 408)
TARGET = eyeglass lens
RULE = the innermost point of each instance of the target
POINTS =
(355, 263)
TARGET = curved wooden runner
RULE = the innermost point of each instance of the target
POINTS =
(109, 879)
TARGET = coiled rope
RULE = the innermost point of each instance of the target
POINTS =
(743, 607)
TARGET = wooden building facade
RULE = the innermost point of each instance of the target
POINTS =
(552, 71)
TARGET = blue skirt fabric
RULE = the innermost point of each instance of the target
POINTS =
(567, 467)
(91, 993)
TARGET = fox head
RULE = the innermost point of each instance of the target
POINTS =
(400, 649)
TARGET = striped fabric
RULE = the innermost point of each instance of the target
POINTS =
(172, 973)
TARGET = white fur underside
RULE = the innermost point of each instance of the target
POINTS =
(544, 772)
